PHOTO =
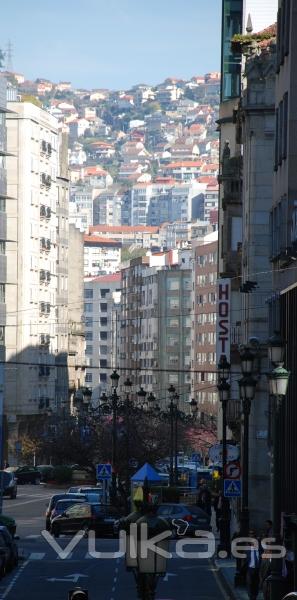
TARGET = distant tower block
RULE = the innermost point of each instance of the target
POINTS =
(9, 55)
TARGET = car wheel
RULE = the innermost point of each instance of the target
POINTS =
(56, 532)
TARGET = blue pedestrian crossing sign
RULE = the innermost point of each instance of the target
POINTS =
(103, 471)
(232, 488)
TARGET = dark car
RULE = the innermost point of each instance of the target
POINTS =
(10, 549)
(184, 519)
(8, 484)
(26, 474)
(86, 516)
(8, 522)
(52, 503)
(93, 494)
(63, 505)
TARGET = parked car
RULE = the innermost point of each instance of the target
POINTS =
(12, 549)
(96, 517)
(94, 494)
(25, 474)
(8, 522)
(46, 472)
(184, 519)
(8, 484)
(52, 503)
(63, 505)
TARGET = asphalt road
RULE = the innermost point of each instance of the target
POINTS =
(42, 575)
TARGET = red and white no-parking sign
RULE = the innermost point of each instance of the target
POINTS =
(233, 470)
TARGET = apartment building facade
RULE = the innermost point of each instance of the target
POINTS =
(101, 255)
(102, 298)
(3, 260)
(155, 332)
(33, 141)
(203, 323)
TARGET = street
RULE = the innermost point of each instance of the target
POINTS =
(42, 574)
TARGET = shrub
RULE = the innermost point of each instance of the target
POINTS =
(62, 474)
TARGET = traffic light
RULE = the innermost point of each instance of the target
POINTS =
(78, 594)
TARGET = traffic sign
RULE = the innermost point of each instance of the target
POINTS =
(196, 457)
(232, 470)
(232, 488)
(103, 471)
(216, 453)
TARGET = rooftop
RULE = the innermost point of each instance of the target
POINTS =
(121, 229)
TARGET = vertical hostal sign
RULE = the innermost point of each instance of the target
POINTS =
(223, 328)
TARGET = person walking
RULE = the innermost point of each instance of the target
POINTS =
(253, 562)
(218, 506)
(204, 497)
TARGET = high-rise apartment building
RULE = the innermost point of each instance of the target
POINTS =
(102, 297)
(37, 222)
(203, 319)
(155, 331)
(3, 238)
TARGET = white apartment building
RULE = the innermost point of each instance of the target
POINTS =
(107, 207)
(101, 255)
(32, 293)
(102, 297)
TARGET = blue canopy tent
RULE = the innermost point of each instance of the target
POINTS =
(146, 473)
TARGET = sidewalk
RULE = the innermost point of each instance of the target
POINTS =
(226, 571)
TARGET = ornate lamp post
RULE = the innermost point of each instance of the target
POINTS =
(172, 411)
(224, 392)
(247, 387)
(278, 380)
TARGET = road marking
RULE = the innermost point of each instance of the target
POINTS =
(74, 577)
(14, 580)
(36, 556)
(31, 501)
(32, 537)
(166, 578)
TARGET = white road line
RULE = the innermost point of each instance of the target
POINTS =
(31, 501)
(12, 583)
(36, 556)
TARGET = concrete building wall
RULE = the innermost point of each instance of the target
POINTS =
(203, 330)
(32, 138)
(76, 327)
(102, 296)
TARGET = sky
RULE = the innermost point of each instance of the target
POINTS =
(112, 43)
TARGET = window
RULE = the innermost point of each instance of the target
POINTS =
(172, 284)
(103, 335)
(173, 303)
(103, 363)
(103, 321)
(89, 349)
(89, 322)
(2, 292)
(103, 377)
(89, 377)
(104, 292)
(89, 336)
(103, 349)
(88, 307)
(173, 378)
(88, 293)
(2, 247)
(103, 306)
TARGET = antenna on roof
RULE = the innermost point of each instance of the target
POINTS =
(8, 56)
(249, 25)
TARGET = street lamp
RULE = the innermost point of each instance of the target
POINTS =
(224, 392)
(172, 409)
(247, 387)
(278, 380)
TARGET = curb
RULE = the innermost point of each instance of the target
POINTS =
(224, 583)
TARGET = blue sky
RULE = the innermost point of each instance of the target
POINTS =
(112, 43)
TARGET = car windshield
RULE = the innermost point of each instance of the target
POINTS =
(64, 504)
